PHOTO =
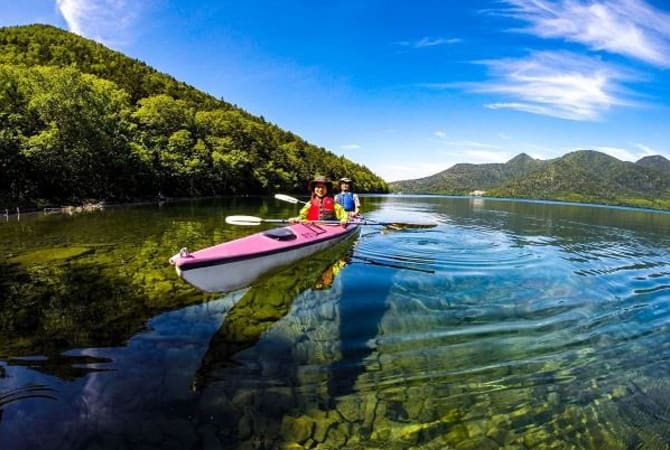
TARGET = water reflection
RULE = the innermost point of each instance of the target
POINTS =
(266, 302)
(65, 367)
(517, 326)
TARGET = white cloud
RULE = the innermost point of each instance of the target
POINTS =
(648, 151)
(619, 153)
(626, 27)
(556, 84)
(440, 134)
(110, 22)
(472, 144)
(429, 42)
(625, 154)
(350, 147)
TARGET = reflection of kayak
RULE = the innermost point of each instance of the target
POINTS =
(262, 305)
(236, 264)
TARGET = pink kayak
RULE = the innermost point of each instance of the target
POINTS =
(236, 264)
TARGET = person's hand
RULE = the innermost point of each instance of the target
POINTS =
(294, 219)
(344, 223)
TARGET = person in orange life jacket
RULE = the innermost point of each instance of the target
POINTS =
(322, 206)
(347, 198)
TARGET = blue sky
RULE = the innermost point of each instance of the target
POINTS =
(409, 88)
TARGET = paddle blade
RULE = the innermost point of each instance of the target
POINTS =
(404, 226)
(243, 220)
(288, 198)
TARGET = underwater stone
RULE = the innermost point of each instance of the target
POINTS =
(50, 255)
(480, 443)
(297, 429)
(457, 433)
(322, 423)
(293, 446)
(350, 408)
(337, 435)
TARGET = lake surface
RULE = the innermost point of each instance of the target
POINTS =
(514, 325)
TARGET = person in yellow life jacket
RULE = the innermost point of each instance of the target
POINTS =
(322, 205)
(347, 198)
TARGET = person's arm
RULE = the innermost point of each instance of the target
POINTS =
(357, 205)
(341, 214)
(304, 211)
(302, 215)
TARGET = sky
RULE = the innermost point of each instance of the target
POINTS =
(409, 88)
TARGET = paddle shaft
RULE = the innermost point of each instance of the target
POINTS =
(397, 225)
(248, 220)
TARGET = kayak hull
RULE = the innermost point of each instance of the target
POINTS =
(237, 264)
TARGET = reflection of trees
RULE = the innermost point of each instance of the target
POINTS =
(264, 304)
(50, 304)
(107, 276)
(53, 308)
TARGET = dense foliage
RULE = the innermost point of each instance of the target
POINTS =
(581, 176)
(79, 121)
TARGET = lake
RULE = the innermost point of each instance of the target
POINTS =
(510, 324)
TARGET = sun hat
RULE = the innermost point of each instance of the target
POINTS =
(320, 179)
(345, 180)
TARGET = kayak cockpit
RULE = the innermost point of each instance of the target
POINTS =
(280, 234)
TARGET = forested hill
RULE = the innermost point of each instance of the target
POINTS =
(462, 179)
(581, 176)
(79, 121)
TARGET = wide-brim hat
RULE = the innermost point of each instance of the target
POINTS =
(324, 180)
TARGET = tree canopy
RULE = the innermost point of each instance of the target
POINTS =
(79, 121)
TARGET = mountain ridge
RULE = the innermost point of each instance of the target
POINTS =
(581, 175)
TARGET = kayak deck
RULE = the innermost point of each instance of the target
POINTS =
(236, 264)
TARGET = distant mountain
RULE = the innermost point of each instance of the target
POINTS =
(464, 178)
(582, 176)
(656, 162)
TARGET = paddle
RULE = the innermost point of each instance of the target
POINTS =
(392, 225)
(252, 220)
(288, 198)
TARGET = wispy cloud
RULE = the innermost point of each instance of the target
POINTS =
(626, 27)
(556, 84)
(648, 151)
(472, 144)
(626, 154)
(110, 22)
(429, 42)
(620, 153)
(350, 147)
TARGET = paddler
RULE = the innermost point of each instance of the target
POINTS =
(322, 205)
(347, 198)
